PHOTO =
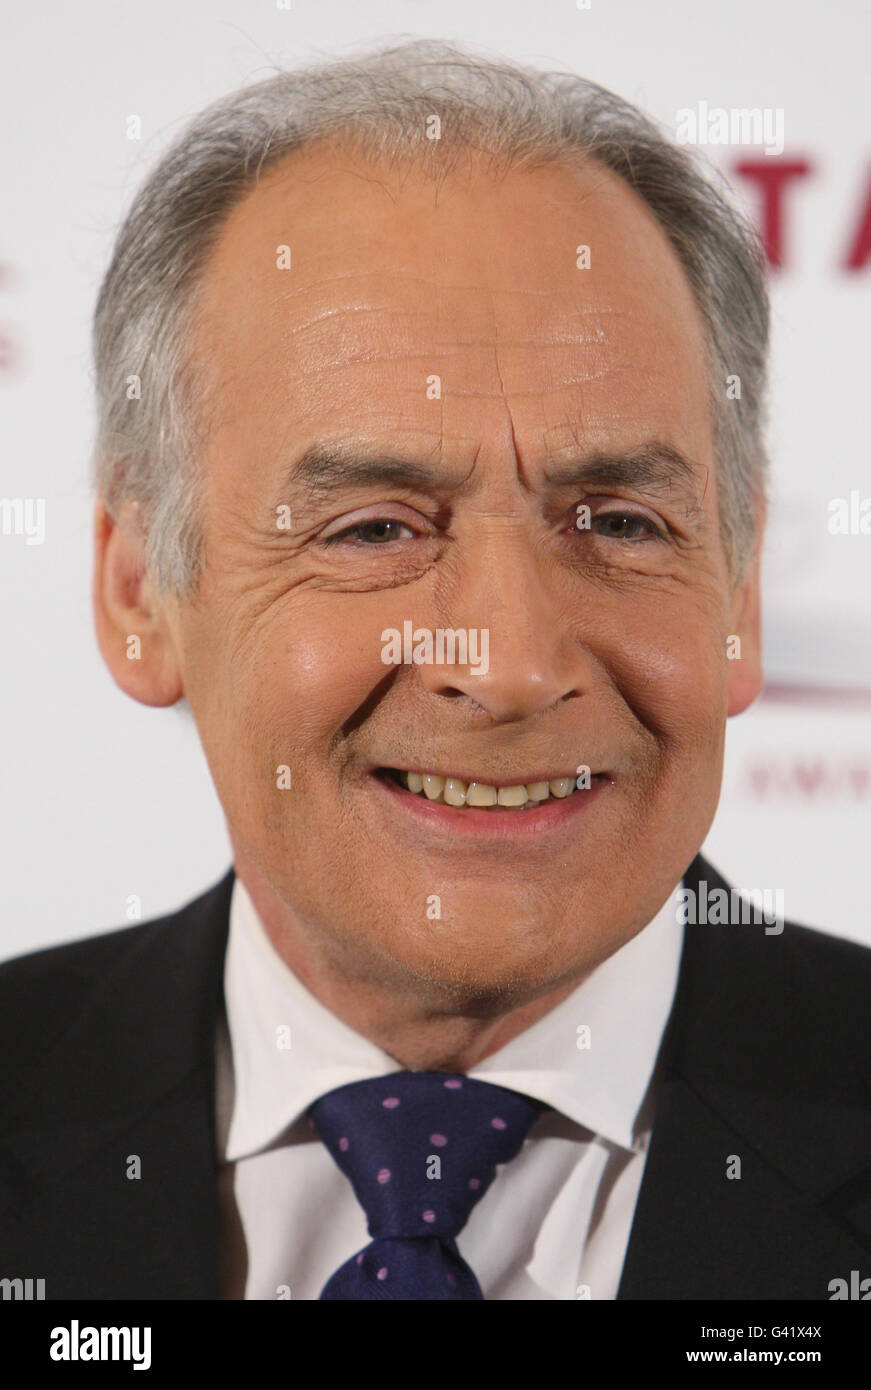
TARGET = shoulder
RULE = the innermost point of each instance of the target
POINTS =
(776, 949)
(773, 999)
(43, 992)
(833, 972)
(836, 972)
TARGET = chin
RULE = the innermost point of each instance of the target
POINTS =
(483, 973)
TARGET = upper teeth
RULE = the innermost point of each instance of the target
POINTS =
(453, 791)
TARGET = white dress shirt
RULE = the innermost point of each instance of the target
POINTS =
(555, 1222)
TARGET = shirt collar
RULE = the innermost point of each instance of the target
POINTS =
(287, 1049)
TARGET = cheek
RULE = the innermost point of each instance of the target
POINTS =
(310, 671)
(668, 660)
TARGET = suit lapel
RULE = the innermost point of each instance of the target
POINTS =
(127, 1085)
(699, 1234)
(751, 1075)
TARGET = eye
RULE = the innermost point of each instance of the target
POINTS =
(625, 525)
(380, 530)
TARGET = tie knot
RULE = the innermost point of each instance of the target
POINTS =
(421, 1148)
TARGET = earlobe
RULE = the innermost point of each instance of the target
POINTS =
(133, 632)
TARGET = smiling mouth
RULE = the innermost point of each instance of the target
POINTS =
(457, 792)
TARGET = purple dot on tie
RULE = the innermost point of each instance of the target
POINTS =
(360, 1257)
(439, 1140)
(383, 1175)
(452, 1281)
(453, 1083)
(474, 1184)
(497, 1123)
(382, 1273)
(343, 1144)
(390, 1103)
(429, 1216)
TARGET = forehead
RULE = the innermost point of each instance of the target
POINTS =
(339, 288)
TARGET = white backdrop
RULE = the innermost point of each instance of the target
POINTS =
(102, 798)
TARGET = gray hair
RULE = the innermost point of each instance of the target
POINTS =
(379, 103)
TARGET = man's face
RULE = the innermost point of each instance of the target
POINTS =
(475, 385)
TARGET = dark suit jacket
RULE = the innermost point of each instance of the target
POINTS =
(108, 1052)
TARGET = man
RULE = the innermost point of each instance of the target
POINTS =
(420, 483)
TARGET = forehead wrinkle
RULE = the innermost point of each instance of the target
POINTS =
(344, 359)
(447, 343)
(438, 339)
(578, 325)
(376, 304)
(531, 393)
(392, 273)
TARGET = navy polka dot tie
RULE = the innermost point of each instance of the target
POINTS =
(420, 1149)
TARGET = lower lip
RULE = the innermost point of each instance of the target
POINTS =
(501, 823)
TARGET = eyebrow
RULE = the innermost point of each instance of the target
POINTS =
(325, 470)
(653, 467)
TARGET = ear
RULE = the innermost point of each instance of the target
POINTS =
(745, 675)
(133, 630)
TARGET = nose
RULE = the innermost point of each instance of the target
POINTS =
(507, 591)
